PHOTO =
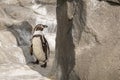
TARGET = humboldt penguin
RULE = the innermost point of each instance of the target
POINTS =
(39, 45)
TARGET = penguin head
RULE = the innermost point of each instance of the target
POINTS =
(40, 27)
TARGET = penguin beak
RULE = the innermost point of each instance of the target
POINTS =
(45, 26)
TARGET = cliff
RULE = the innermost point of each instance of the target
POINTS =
(87, 43)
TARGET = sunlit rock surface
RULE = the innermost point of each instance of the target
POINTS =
(17, 18)
(10, 52)
(19, 72)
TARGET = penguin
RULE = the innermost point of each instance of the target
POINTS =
(39, 46)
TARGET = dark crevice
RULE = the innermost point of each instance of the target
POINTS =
(45, 3)
(112, 2)
(79, 20)
(22, 33)
(67, 32)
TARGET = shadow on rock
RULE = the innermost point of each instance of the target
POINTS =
(69, 34)
(22, 32)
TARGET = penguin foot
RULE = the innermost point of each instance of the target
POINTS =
(35, 62)
(44, 65)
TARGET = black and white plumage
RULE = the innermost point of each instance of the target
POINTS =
(39, 46)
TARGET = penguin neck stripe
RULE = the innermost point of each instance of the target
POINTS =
(38, 33)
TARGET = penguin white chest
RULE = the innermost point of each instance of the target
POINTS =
(38, 49)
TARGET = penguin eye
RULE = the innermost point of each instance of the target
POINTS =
(45, 26)
(38, 28)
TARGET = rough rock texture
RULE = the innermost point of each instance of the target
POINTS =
(112, 1)
(19, 72)
(17, 17)
(88, 40)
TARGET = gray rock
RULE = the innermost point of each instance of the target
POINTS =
(87, 47)
(112, 2)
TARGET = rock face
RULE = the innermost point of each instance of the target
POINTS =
(87, 42)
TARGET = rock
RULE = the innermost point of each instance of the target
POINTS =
(44, 1)
(9, 1)
(112, 1)
(8, 46)
(87, 47)
(19, 72)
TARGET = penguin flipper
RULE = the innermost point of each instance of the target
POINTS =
(31, 50)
